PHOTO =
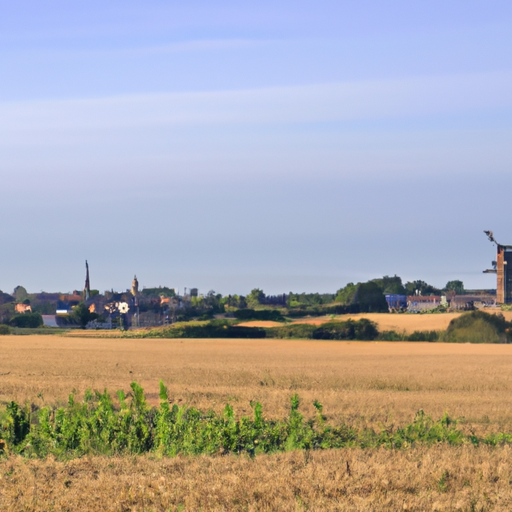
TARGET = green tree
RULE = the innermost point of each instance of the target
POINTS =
(255, 298)
(390, 285)
(370, 298)
(346, 295)
(20, 294)
(456, 286)
(82, 315)
(5, 298)
(423, 288)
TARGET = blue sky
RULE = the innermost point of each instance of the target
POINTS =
(227, 145)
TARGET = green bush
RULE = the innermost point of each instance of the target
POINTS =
(263, 315)
(391, 336)
(31, 320)
(362, 329)
(292, 331)
(302, 311)
(478, 327)
(423, 336)
(4, 329)
(212, 329)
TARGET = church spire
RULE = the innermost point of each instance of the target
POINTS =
(87, 288)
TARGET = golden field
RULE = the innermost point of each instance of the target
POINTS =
(419, 479)
(401, 323)
(363, 383)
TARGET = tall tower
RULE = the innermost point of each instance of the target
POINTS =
(135, 286)
(502, 267)
(87, 287)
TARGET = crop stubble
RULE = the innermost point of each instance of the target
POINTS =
(376, 384)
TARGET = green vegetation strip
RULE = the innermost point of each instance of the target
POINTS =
(97, 426)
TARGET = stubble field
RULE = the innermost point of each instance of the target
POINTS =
(361, 383)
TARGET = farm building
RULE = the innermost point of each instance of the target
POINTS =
(396, 302)
(419, 303)
(469, 302)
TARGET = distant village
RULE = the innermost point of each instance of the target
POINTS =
(149, 307)
(131, 308)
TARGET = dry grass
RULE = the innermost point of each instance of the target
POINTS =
(260, 323)
(407, 323)
(419, 479)
(358, 382)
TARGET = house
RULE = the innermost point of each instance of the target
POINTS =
(23, 308)
(419, 303)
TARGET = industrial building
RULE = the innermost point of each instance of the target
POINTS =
(502, 267)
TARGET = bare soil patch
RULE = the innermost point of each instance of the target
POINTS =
(260, 323)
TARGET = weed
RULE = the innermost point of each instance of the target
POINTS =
(96, 426)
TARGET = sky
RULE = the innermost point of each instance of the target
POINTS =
(285, 145)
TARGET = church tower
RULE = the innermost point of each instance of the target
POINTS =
(135, 287)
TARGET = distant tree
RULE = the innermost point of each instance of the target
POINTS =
(391, 285)
(456, 286)
(308, 299)
(5, 298)
(234, 301)
(82, 315)
(6, 312)
(370, 298)
(346, 295)
(423, 288)
(158, 292)
(20, 294)
(255, 298)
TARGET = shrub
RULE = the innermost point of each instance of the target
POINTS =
(212, 329)
(391, 336)
(423, 336)
(478, 327)
(30, 320)
(342, 309)
(4, 329)
(292, 331)
(263, 314)
(362, 329)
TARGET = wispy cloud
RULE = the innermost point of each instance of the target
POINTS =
(279, 105)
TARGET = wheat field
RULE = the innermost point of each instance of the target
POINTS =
(401, 323)
(376, 384)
